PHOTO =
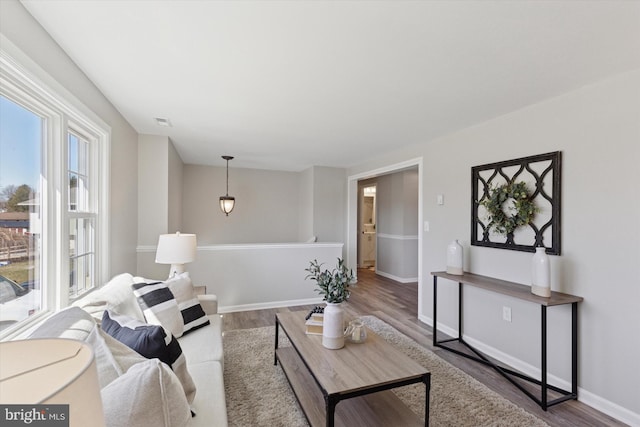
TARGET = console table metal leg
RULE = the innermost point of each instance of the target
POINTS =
(435, 311)
(543, 367)
(574, 349)
(275, 357)
(460, 319)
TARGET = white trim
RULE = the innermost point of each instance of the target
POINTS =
(245, 246)
(396, 167)
(397, 236)
(396, 278)
(265, 305)
(612, 409)
(597, 402)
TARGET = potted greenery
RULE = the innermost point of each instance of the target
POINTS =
(334, 287)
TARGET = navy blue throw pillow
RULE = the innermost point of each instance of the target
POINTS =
(151, 341)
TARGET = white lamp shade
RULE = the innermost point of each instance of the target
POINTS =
(52, 371)
(176, 248)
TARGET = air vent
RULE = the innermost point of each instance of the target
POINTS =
(163, 122)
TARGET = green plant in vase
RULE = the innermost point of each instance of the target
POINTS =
(332, 285)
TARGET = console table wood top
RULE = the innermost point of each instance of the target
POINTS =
(511, 289)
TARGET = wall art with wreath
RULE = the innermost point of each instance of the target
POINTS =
(515, 204)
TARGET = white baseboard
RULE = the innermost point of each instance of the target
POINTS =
(266, 305)
(612, 409)
(396, 278)
(597, 402)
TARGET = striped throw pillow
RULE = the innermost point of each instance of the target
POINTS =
(159, 306)
(193, 316)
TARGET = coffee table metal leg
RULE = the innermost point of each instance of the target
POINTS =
(427, 384)
(330, 403)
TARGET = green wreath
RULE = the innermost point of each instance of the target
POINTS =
(522, 211)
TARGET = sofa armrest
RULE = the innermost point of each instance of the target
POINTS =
(209, 303)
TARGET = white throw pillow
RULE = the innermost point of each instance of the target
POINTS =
(115, 295)
(148, 395)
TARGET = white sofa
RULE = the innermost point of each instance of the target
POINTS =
(202, 348)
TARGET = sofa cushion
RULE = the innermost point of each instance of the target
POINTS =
(159, 306)
(149, 394)
(150, 341)
(72, 322)
(209, 405)
(115, 295)
(205, 344)
(193, 316)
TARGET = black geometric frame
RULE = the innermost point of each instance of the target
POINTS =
(481, 188)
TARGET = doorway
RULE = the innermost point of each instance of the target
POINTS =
(354, 231)
(367, 227)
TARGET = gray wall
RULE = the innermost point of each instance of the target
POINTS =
(160, 182)
(305, 225)
(21, 29)
(266, 209)
(153, 188)
(397, 225)
(271, 206)
(597, 128)
(329, 201)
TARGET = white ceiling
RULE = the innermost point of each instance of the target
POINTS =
(289, 84)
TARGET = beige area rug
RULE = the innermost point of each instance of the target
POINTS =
(258, 393)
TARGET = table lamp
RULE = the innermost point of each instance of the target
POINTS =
(176, 249)
(52, 372)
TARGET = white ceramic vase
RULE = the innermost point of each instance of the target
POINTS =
(455, 258)
(333, 326)
(541, 273)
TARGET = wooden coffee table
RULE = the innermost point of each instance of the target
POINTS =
(360, 374)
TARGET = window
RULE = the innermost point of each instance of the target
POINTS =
(53, 197)
(21, 141)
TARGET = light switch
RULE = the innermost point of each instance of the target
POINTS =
(506, 314)
(426, 226)
(440, 199)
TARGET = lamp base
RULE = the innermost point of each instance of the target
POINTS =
(175, 270)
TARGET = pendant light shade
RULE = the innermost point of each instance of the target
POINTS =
(227, 202)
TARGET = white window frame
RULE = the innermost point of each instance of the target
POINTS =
(28, 85)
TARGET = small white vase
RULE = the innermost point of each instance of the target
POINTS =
(333, 326)
(541, 273)
(455, 258)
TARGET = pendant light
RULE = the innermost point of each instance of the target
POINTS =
(227, 202)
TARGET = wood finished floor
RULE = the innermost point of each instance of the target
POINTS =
(396, 304)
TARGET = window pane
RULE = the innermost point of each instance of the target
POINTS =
(20, 217)
(73, 153)
(78, 193)
(73, 192)
(81, 255)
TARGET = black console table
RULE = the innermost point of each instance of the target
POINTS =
(522, 292)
